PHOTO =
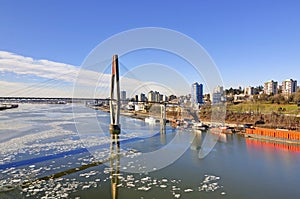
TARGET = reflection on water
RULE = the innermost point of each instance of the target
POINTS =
(114, 164)
(264, 144)
(197, 140)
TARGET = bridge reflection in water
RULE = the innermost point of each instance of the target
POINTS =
(114, 164)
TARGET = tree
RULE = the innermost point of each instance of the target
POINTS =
(263, 97)
(297, 96)
(278, 99)
(255, 98)
(258, 89)
(290, 98)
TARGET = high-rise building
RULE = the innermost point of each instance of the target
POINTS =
(197, 94)
(165, 98)
(218, 95)
(151, 96)
(156, 96)
(289, 86)
(219, 89)
(271, 87)
(123, 95)
(142, 97)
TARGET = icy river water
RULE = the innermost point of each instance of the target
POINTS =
(45, 153)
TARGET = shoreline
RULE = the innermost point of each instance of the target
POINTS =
(237, 126)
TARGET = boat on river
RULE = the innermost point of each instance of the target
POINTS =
(200, 126)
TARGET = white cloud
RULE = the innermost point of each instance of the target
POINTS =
(57, 75)
(61, 78)
(10, 62)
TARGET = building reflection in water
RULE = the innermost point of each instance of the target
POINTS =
(196, 144)
(114, 164)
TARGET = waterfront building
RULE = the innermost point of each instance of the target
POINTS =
(271, 87)
(161, 97)
(249, 90)
(154, 96)
(216, 98)
(151, 96)
(219, 89)
(289, 86)
(165, 98)
(123, 95)
(240, 97)
(143, 97)
(197, 94)
(218, 95)
(139, 107)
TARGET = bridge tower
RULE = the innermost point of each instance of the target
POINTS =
(114, 103)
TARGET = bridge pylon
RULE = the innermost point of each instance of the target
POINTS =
(114, 104)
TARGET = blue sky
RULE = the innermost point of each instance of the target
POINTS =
(251, 41)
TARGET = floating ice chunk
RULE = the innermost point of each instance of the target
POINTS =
(223, 193)
(174, 188)
(130, 184)
(177, 195)
(146, 179)
(16, 180)
(188, 190)
(64, 195)
(163, 186)
(143, 188)
(85, 187)
(59, 179)
(36, 190)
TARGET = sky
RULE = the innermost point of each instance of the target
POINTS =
(44, 43)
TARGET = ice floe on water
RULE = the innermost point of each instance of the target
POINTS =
(34, 179)
(210, 184)
(24, 179)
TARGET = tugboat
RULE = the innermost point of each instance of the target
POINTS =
(200, 126)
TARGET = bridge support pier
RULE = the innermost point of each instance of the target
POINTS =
(163, 119)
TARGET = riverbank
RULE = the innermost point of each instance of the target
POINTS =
(234, 122)
(271, 120)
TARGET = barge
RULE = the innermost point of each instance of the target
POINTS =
(279, 135)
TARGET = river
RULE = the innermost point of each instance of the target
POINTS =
(45, 153)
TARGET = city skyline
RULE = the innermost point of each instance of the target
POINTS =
(250, 42)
